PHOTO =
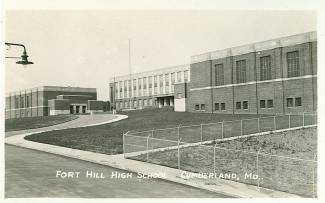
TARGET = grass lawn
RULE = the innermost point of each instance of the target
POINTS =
(107, 139)
(36, 122)
(276, 173)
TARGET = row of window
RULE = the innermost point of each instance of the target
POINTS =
(142, 82)
(266, 103)
(135, 103)
(240, 106)
(291, 102)
(293, 69)
(23, 103)
(199, 107)
(294, 102)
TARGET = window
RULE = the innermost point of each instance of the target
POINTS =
(216, 106)
(179, 95)
(289, 102)
(161, 83)
(219, 74)
(27, 102)
(144, 83)
(179, 77)
(203, 107)
(298, 101)
(241, 71)
(173, 78)
(145, 102)
(293, 64)
(139, 83)
(270, 103)
(150, 82)
(155, 81)
(166, 80)
(223, 106)
(134, 84)
(238, 105)
(150, 102)
(116, 89)
(161, 80)
(265, 63)
(17, 103)
(121, 85)
(22, 102)
(197, 107)
(186, 76)
(262, 104)
(245, 105)
(125, 88)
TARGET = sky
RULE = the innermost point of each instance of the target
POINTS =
(87, 47)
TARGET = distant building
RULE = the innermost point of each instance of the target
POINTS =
(151, 89)
(52, 100)
(277, 76)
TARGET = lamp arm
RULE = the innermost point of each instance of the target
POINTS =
(15, 44)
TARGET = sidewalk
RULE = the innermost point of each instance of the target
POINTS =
(220, 186)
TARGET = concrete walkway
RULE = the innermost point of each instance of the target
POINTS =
(81, 121)
(221, 186)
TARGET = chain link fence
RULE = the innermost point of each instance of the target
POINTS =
(199, 148)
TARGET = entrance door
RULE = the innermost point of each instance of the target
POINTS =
(71, 109)
(83, 109)
(77, 109)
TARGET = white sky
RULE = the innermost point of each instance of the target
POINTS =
(86, 48)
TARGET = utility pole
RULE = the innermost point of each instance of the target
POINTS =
(130, 74)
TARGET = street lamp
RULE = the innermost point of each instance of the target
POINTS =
(24, 58)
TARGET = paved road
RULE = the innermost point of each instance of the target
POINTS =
(30, 173)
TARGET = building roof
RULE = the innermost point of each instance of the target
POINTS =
(257, 46)
(151, 72)
(55, 88)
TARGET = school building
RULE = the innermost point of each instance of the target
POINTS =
(52, 100)
(277, 76)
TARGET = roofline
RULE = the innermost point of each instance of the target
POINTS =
(256, 46)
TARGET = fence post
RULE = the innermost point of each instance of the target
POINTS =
(124, 144)
(178, 156)
(152, 140)
(258, 178)
(258, 125)
(201, 133)
(303, 119)
(148, 147)
(289, 120)
(274, 122)
(241, 127)
(314, 163)
(178, 150)
(214, 158)
(222, 130)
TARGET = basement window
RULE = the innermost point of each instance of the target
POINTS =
(289, 102)
(223, 106)
(197, 107)
(262, 104)
(298, 101)
(245, 105)
(216, 106)
(238, 105)
(270, 103)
